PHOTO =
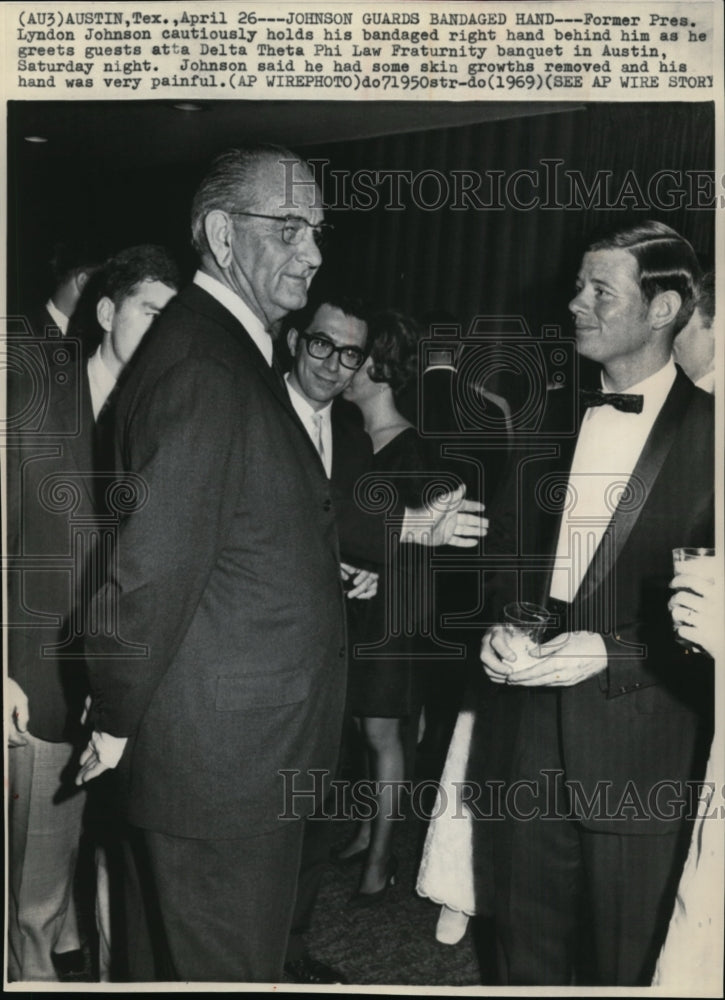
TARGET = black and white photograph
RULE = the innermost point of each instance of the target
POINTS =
(362, 497)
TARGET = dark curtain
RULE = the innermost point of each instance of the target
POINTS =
(515, 260)
(502, 261)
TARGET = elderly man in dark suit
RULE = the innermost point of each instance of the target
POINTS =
(227, 585)
(53, 523)
(599, 731)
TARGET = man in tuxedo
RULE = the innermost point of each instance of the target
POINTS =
(594, 735)
(53, 515)
(228, 663)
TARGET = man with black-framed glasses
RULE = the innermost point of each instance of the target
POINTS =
(326, 352)
(325, 357)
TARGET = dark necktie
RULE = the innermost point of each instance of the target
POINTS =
(278, 374)
(626, 402)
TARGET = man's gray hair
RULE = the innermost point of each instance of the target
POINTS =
(229, 185)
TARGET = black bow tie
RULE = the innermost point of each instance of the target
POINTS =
(626, 402)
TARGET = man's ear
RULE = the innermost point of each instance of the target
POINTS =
(81, 277)
(219, 231)
(663, 308)
(293, 338)
(105, 311)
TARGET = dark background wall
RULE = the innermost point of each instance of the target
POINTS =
(502, 261)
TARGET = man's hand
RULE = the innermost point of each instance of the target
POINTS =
(566, 660)
(496, 655)
(102, 753)
(364, 582)
(450, 521)
(17, 714)
(696, 609)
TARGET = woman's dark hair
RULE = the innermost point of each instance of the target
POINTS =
(393, 347)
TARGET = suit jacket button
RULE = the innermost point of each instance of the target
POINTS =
(327, 506)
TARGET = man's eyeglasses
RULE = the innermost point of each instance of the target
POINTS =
(320, 347)
(294, 227)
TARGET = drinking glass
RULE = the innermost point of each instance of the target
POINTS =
(525, 625)
(695, 562)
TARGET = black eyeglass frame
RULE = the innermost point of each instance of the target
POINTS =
(320, 230)
(333, 349)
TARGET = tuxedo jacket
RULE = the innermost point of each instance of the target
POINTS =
(51, 538)
(645, 718)
(227, 662)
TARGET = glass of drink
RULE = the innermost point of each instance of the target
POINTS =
(700, 562)
(525, 625)
(694, 562)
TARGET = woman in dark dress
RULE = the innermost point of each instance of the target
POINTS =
(382, 683)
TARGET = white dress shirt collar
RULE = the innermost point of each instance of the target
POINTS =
(239, 309)
(653, 389)
(59, 318)
(100, 381)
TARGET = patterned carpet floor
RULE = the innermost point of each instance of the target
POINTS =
(394, 943)
(390, 944)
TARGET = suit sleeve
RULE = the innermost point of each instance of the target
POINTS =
(362, 535)
(183, 441)
(660, 659)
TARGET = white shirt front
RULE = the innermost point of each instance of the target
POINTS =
(308, 415)
(100, 380)
(240, 310)
(607, 450)
(59, 318)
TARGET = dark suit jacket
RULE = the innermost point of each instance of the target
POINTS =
(40, 321)
(51, 528)
(643, 718)
(227, 580)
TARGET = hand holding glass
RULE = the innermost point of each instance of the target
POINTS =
(696, 563)
(525, 625)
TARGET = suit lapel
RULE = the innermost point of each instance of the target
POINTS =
(553, 478)
(649, 464)
(201, 301)
(75, 418)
